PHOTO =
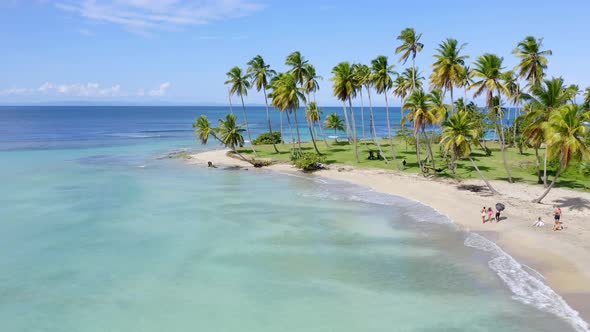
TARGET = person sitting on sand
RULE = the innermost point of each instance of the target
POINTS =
(539, 223)
(483, 215)
(490, 214)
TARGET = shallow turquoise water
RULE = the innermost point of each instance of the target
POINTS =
(110, 238)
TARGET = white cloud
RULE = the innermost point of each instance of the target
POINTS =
(157, 14)
(90, 89)
(14, 92)
(160, 91)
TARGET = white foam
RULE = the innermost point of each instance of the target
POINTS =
(526, 288)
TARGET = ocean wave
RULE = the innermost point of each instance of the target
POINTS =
(526, 288)
(135, 135)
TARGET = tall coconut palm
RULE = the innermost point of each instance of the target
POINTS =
(286, 96)
(381, 74)
(440, 110)
(344, 85)
(260, 74)
(448, 67)
(310, 86)
(333, 121)
(362, 74)
(312, 115)
(533, 60)
(573, 91)
(420, 114)
(410, 47)
(459, 132)
(413, 78)
(239, 84)
(299, 71)
(586, 103)
(515, 96)
(566, 132)
(401, 88)
(464, 80)
(365, 79)
(543, 100)
(488, 77)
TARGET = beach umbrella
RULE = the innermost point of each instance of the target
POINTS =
(500, 207)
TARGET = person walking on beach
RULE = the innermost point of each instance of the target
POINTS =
(490, 213)
(557, 216)
(497, 215)
(483, 215)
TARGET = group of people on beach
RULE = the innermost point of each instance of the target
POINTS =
(487, 213)
(558, 226)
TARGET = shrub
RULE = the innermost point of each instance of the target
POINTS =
(310, 161)
(268, 138)
(585, 167)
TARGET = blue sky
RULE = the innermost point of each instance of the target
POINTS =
(173, 51)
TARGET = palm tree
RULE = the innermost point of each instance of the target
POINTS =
(459, 132)
(299, 71)
(515, 96)
(421, 115)
(410, 46)
(464, 79)
(311, 85)
(448, 67)
(587, 98)
(533, 60)
(413, 78)
(333, 121)
(312, 115)
(362, 74)
(565, 132)
(203, 129)
(574, 91)
(543, 100)
(230, 133)
(286, 96)
(260, 74)
(239, 85)
(381, 74)
(401, 87)
(487, 78)
(345, 89)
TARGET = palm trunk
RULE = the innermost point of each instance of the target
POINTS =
(514, 125)
(373, 127)
(429, 145)
(297, 130)
(231, 107)
(356, 147)
(313, 138)
(414, 73)
(494, 191)
(417, 137)
(247, 126)
(538, 165)
(502, 149)
(545, 168)
(268, 119)
(452, 101)
(324, 138)
(346, 120)
(291, 129)
(281, 125)
(559, 169)
(389, 130)
(362, 114)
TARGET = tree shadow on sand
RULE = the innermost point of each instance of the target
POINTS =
(574, 203)
(478, 189)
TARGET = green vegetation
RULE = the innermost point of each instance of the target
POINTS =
(309, 161)
(547, 137)
(268, 138)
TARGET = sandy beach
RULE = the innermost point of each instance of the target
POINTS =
(563, 257)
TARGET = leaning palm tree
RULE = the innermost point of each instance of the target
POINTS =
(410, 46)
(448, 68)
(565, 133)
(515, 96)
(333, 121)
(298, 66)
(260, 74)
(312, 115)
(286, 96)
(464, 79)
(203, 129)
(488, 76)
(239, 85)
(533, 60)
(421, 115)
(362, 75)
(344, 85)
(542, 101)
(459, 132)
(382, 82)
(310, 86)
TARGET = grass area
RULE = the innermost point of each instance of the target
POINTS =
(522, 166)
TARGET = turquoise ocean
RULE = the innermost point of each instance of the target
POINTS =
(99, 233)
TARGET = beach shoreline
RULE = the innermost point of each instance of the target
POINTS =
(562, 258)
